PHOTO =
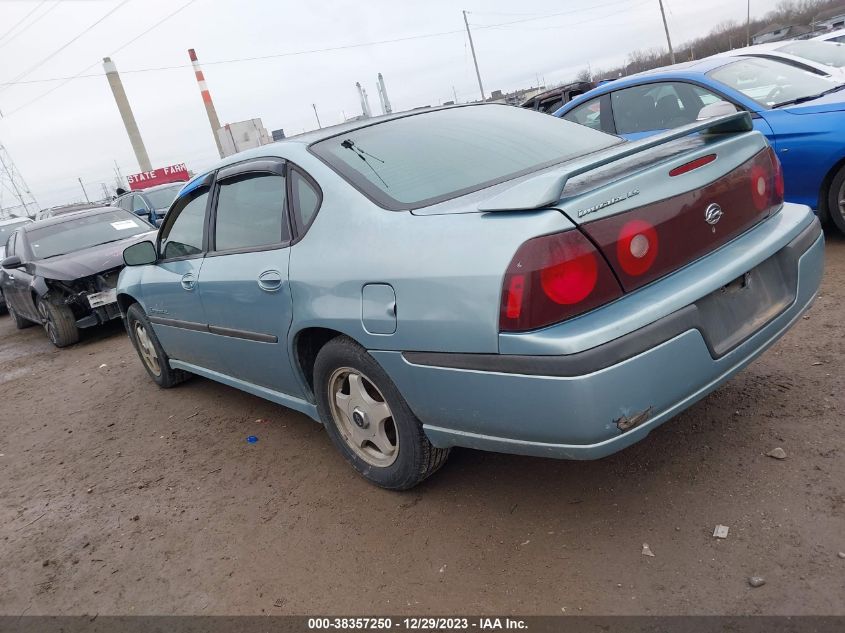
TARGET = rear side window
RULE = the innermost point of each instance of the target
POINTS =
(588, 114)
(658, 106)
(183, 236)
(306, 200)
(251, 212)
(419, 160)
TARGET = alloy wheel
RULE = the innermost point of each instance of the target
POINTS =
(841, 198)
(363, 417)
(47, 321)
(146, 350)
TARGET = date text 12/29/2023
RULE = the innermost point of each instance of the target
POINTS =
(416, 624)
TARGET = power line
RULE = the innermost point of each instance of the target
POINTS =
(23, 30)
(81, 74)
(117, 50)
(23, 19)
(66, 44)
(329, 49)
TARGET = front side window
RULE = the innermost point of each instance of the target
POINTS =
(771, 83)
(251, 212)
(83, 232)
(422, 159)
(183, 237)
(588, 114)
(659, 106)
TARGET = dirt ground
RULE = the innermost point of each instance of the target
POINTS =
(122, 498)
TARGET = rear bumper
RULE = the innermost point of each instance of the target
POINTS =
(595, 402)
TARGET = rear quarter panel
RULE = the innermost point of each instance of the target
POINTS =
(446, 270)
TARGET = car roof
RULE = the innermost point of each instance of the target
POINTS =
(5, 221)
(829, 35)
(154, 188)
(686, 70)
(66, 217)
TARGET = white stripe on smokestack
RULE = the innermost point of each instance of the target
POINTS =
(206, 99)
(126, 114)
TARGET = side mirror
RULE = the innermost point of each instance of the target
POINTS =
(12, 261)
(140, 254)
(716, 109)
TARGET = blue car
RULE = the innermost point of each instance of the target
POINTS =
(480, 276)
(802, 114)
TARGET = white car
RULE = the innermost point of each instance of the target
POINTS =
(823, 58)
(837, 37)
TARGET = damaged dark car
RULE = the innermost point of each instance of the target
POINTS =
(61, 272)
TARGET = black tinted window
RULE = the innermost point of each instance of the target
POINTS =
(183, 236)
(307, 199)
(658, 106)
(418, 160)
(251, 212)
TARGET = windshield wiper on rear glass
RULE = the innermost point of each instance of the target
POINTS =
(809, 97)
(363, 156)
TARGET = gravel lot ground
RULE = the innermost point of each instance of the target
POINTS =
(122, 498)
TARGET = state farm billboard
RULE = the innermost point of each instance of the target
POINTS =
(160, 176)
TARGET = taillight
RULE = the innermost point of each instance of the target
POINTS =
(701, 161)
(648, 242)
(778, 178)
(553, 278)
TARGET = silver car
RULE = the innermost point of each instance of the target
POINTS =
(478, 276)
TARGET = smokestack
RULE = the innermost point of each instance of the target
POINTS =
(382, 91)
(206, 99)
(365, 102)
(126, 114)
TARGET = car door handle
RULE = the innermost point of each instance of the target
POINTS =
(270, 280)
(189, 281)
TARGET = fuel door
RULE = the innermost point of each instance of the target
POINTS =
(378, 313)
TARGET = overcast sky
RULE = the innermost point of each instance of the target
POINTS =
(75, 130)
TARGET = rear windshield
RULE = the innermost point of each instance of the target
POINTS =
(162, 198)
(827, 53)
(423, 159)
(85, 232)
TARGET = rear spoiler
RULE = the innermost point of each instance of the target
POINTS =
(546, 189)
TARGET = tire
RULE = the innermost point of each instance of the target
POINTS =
(58, 322)
(368, 419)
(19, 321)
(3, 308)
(150, 351)
(836, 200)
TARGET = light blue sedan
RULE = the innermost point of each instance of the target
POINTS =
(478, 276)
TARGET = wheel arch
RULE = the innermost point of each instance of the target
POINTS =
(124, 301)
(824, 211)
(307, 343)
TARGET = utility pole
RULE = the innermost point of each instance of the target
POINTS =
(314, 105)
(87, 199)
(474, 59)
(666, 28)
(748, 25)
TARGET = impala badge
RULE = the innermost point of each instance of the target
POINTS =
(712, 214)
